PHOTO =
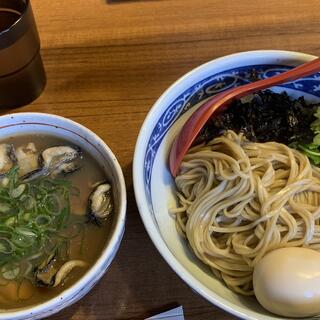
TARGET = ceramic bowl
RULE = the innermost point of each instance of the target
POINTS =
(34, 123)
(153, 184)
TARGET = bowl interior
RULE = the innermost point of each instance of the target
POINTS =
(26, 123)
(160, 128)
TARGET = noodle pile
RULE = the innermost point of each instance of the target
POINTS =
(239, 200)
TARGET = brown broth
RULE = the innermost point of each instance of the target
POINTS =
(95, 237)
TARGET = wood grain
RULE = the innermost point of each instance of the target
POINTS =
(106, 63)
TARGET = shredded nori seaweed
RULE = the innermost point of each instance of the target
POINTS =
(265, 116)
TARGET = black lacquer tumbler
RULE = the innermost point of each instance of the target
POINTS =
(22, 76)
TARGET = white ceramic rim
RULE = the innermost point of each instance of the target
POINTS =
(113, 243)
(138, 180)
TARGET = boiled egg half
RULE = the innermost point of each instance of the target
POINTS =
(286, 282)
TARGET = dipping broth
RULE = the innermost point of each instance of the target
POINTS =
(81, 236)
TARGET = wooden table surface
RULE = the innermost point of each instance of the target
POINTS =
(107, 63)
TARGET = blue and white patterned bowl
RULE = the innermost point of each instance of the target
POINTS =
(36, 123)
(153, 184)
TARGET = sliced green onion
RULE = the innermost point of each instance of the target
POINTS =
(10, 222)
(35, 256)
(42, 220)
(63, 218)
(4, 208)
(5, 182)
(33, 223)
(27, 216)
(5, 198)
(18, 191)
(52, 204)
(28, 268)
(25, 232)
(6, 246)
(28, 202)
(21, 242)
(10, 272)
(4, 228)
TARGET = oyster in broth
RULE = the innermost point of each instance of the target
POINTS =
(27, 158)
(52, 272)
(56, 160)
(7, 158)
(60, 158)
(100, 202)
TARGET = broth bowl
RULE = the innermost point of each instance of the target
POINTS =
(154, 185)
(41, 123)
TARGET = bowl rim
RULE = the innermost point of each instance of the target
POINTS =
(112, 246)
(138, 182)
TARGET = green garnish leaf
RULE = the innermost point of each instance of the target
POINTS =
(312, 149)
(316, 140)
(317, 113)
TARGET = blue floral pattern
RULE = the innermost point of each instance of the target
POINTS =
(208, 87)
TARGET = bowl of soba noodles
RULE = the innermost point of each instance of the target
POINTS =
(62, 213)
(240, 222)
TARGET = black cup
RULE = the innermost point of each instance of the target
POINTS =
(22, 76)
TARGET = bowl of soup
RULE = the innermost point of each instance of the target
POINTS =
(62, 213)
(243, 191)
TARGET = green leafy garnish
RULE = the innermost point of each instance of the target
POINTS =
(312, 149)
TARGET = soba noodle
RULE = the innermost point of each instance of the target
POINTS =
(239, 200)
